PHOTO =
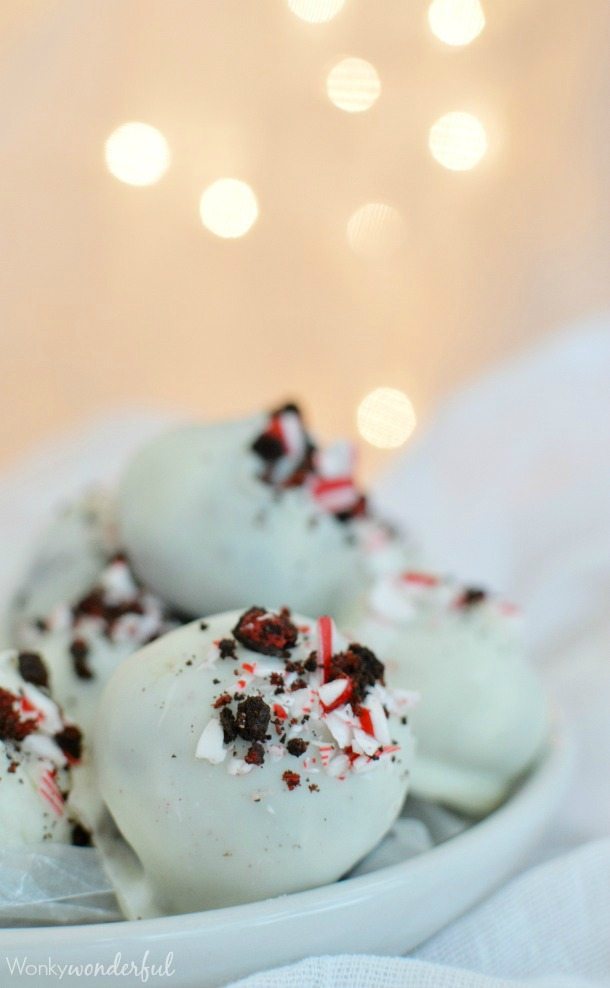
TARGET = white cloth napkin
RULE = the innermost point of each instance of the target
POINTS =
(511, 486)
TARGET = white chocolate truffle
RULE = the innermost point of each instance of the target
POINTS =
(67, 557)
(83, 641)
(211, 515)
(483, 716)
(37, 748)
(235, 774)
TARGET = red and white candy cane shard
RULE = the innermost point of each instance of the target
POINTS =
(418, 579)
(373, 720)
(293, 434)
(29, 711)
(288, 429)
(275, 429)
(49, 791)
(326, 753)
(338, 460)
(335, 495)
(335, 694)
(325, 641)
(390, 749)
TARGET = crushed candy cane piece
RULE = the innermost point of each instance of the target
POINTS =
(211, 743)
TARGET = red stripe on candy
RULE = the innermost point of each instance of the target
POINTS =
(420, 579)
(325, 643)
(366, 721)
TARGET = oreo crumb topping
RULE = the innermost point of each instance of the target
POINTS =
(311, 663)
(12, 727)
(269, 634)
(79, 650)
(288, 714)
(97, 605)
(253, 716)
(255, 754)
(361, 666)
(228, 724)
(292, 779)
(290, 459)
(33, 669)
(226, 647)
(271, 447)
(472, 596)
(70, 740)
(297, 747)
(358, 510)
(268, 447)
(313, 787)
(81, 837)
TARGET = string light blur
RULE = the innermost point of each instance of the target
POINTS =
(316, 11)
(386, 418)
(456, 22)
(458, 141)
(137, 154)
(353, 85)
(228, 208)
(376, 229)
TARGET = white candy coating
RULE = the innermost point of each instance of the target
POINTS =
(67, 557)
(34, 771)
(483, 716)
(206, 533)
(212, 829)
(104, 638)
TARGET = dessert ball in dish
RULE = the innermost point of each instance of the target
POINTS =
(483, 716)
(248, 755)
(67, 557)
(212, 514)
(37, 749)
(84, 639)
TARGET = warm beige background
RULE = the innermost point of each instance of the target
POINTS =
(111, 294)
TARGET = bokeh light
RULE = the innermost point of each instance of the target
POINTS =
(375, 230)
(353, 85)
(458, 141)
(228, 208)
(386, 418)
(137, 154)
(456, 22)
(316, 11)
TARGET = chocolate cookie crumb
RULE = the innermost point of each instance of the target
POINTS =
(33, 669)
(292, 779)
(296, 747)
(313, 787)
(255, 754)
(472, 596)
(229, 727)
(203, 626)
(270, 634)
(361, 666)
(70, 740)
(79, 650)
(81, 837)
(226, 647)
(253, 716)
(311, 662)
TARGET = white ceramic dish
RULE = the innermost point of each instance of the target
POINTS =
(390, 911)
